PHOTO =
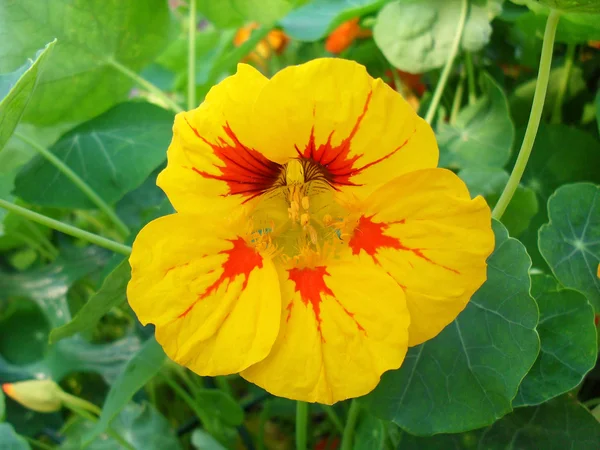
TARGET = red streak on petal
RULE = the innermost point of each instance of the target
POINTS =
(176, 267)
(310, 283)
(338, 166)
(241, 260)
(369, 236)
(289, 311)
(246, 171)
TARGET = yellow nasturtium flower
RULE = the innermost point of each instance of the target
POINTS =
(314, 239)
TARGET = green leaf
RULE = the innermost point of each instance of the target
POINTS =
(461, 441)
(589, 6)
(573, 28)
(201, 440)
(570, 242)
(598, 108)
(521, 210)
(314, 20)
(416, 35)
(550, 166)
(113, 153)
(16, 89)
(141, 425)
(483, 134)
(489, 182)
(112, 293)
(137, 372)
(81, 82)
(555, 425)
(568, 343)
(234, 13)
(467, 376)
(220, 406)
(40, 299)
(521, 98)
(370, 432)
(9, 440)
(2, 405)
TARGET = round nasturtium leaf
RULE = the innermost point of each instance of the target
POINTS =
(235, 13)
(550, 166)
(559, 424)
(467, 376)
(80, 82)
(483, 133)
(489, 182)
(568, 342)
(570, 242)
(10, 440)
(142, 425)
(47, 286)
(578, 23)
(318, 17)
(113, 153)
(579, 6)
(417, 35)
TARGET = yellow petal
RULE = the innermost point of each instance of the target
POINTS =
(214, 300)
(208, 158)
(342, 326)
(361, 131)
(424, 229)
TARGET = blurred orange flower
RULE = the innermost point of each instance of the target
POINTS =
(343, 36)
(276, 41)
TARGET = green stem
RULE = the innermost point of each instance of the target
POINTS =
(75, 402)
(145, 84)
(65, 228)
(383, 440)
(191, 94)
(77, 181)
(564, 84)
(397, 80)
(301, 425)
(112, 433)
(36, 443)
(262, 422)
(458, 95)
(471, 78)
(439, 89)
(224, 385)
(187, 398)
(592, 402)
(333, 417)
(534, 117)
(348, 436)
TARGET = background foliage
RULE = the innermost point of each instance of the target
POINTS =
(88, 93)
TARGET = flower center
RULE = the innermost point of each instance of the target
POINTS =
(302, 218)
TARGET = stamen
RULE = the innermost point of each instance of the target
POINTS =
(305, 203)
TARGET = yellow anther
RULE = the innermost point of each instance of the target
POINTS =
(304, 219)
(312, 233)
(305, 203)
(327, 219)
